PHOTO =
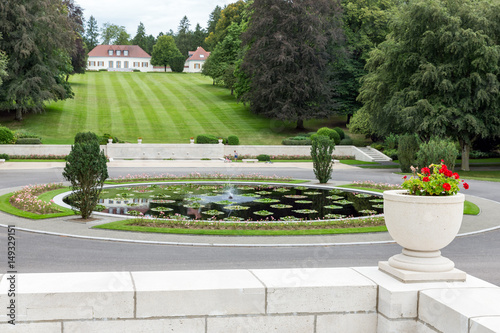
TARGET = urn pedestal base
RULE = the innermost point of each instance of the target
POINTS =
(408, 276)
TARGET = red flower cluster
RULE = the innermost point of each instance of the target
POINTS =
(446, 186)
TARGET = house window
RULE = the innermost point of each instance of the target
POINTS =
(90, 63)
(110, 52)
(196, 66)
(118, 64)
(125, 64)
(125, 53)
(118, 52)
(100, 63)
(202, 56)
(144, 64)
(110, 64)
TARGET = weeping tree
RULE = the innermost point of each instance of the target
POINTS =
(322, 156)
(437, 74)
(86, 170)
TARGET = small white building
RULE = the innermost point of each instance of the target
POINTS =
(196, 59)
(119, 58)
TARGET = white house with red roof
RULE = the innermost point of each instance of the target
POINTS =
(119, 58)
(126, 58)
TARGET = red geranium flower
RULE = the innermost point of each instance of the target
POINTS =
(426, 171)
(466, 186)
(446, 186)
(456, 175)
(425, 179)
(404, 177)
(448, 173)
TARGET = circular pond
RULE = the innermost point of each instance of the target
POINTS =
(238, 202)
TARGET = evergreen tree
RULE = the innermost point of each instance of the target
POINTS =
(3, 64)
(231, 13)
(92, 34)
(438, 73)
(140, 38)
(37, 38)
(113, 34)
(183, 39)
(288, 58)
(79, 52)
(198, 38)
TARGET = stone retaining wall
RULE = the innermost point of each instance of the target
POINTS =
(319, 300)
(179, 151)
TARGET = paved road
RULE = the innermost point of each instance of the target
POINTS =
(478, 255)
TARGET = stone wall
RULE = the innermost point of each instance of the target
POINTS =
(318, 300)
(179, 151)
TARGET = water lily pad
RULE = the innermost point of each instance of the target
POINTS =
(333, 207)
(305, 211)
(233, 218)
(363, 195)
(376, 200)
(312, 192)
(281, 189)
(378, 206)
(158, 201)
(194, 205)
(289, 218)
(281, 206)
(253, 195)
(263, 213)
(264, 192)
(193, 199)
(236, 207)
(343, 202)
(334, 197)
(212, 212)
(266, 200)
(301, 188)
(303, 201)
(162, 209)
(336, 191)
(178, 217)
(334, 216)
(368, 211)
(225, 202)
(208, 187)
(161, 196)
(295, 196)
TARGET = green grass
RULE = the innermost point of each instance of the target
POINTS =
(6, 207)
(34, 160)
(491, 176)
(123, 225)
(159, 107)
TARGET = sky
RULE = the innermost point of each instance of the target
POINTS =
(156, 15)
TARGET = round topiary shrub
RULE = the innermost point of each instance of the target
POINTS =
(233, 140)
(340, 131)
(264, 158)
(332, 134)
(82, 137)
(346, 142)
(6, 136)
(4, 157)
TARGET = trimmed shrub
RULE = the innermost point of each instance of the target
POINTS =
(434, 151)
(177, 63)
(136, 70)
(4, 157)
(377, 146)
(24, 134)
(28, 141)
(86, 170)
(207, 138)
(86, 137)
(391, 141)
(233, 140)
(340, 131)
(321, 153)
(263, 158)
(296, 142)
(103, 70)
(6, 136)
(346, 142)
(103, 140)
(408, 146)
(332, 134)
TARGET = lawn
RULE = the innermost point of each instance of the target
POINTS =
(159, 107)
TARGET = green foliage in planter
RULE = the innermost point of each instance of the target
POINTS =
(340, 131)
(408, 146)
(207, 138)
(177, 63)
(6, 135)
(86, 170)
(28, 141)
(321, 153)
(434, 151)
(103, 140)
(332, 134)
(263, 158)
(233, 140)
(4, 157)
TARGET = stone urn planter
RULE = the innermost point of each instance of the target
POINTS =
(422, 225)
(110, 141)
(220, 141)
(191, 141)
(139, 141)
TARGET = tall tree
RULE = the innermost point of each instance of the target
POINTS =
(79, 52)
(164, 51)
(198, 38)
(213, 19)
(438, 73)
(184, 36)
(37, 38)
(114, 34)
(3, 63)
(231, 13)
(140, 37)
(92, 34)
(288, 56)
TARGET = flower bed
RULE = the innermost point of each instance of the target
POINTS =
(27, 199)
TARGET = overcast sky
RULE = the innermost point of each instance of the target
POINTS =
(156, 15)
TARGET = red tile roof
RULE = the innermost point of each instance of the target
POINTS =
(134, 51)
(200, 54)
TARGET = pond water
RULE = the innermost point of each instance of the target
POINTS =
(233, 202)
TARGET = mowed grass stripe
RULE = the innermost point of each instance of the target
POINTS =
(158, 112)
(192, 108)
(78, 119)
(144, 124)
(104, 117)
(124, 127)
(203, 105)
(179, 111)
(92, 109)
